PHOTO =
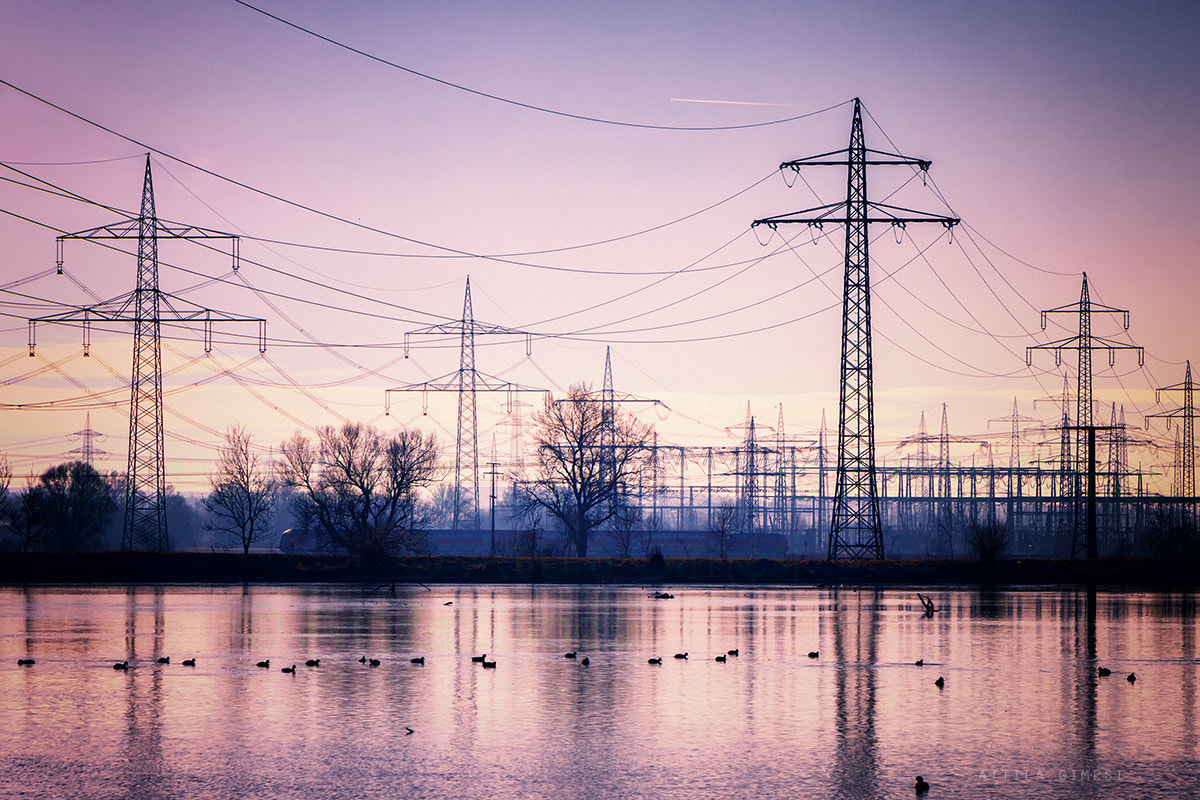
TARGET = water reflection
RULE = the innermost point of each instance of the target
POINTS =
(1023, 711)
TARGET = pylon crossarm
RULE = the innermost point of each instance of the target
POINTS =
(819, 215)
(825, 160)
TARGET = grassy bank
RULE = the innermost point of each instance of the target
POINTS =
(23, 568)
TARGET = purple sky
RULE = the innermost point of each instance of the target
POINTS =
(1066, 136)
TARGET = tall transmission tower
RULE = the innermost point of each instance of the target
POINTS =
(87, 450)
(466, 381)
(1084, 343)
(856, 531)
(1185, 469)
(148, 308)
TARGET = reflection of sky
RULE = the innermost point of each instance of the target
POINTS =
(1064, 137)
(1021, 694)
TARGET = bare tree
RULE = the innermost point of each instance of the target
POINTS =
(622, 530)
(360, 489)
(244, 493)
(23, 512)
(724, 527)
(987, 539)
(572, 479)
(75, 503)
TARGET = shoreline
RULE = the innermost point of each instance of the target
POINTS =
(17, 569)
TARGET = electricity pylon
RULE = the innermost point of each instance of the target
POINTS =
(147, 307)
(1084, 342)
(856, 531)
(87, 451)
(1186, 459)
(466, 381)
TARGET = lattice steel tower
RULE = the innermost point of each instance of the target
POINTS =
(856, 530)
(147, 307)
(1185, 469)
(1083, 343)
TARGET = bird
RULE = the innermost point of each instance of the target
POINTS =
(940, 682)
(654, 661)
(290, 670)
(264, 664)
(1131, 677)
(418, 660)
(374, 662)
(410, 731)
(681, 655)
(448, 603)
(313, 662)
(1103, 672)
(733, 652)
(362, 660)
(585, 661)
(189, 662)
(121, 665)
(25, 662)
(479, 659)
(489, 664)
(920, 662)
(570, 654)
(165, 660)
(921, 786)
(814, 654)
(720, 658)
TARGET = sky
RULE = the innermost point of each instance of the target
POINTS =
(1064, 135)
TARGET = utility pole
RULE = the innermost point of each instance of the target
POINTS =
(856, 531)
(1084, 342)
(493, 466)
(466, 382)
(1186, 460)
(147, 307)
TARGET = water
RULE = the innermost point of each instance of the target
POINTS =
(1022, 714)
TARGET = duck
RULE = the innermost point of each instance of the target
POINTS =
(313, 662)
(585, 661)
(362, 660)
(681, 655)
(448, 603)
(264, 664)
(165, 660)
(733, 652)
(720, 658)
(814, 654)
(25, 662)
(290, 670)
(189, 662)
(418, 660)
(570, 654)
(374, 662)
(654, 661)
(920, 662)
(1131, 677)
(489, 664)
(479, 659)
(121, 665)
(921, 786)
(1103, 672)
(940, 682)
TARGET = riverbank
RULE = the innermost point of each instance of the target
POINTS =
(111, 567)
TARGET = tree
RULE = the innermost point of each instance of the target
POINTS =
(722, 530)
(23, 512)
(74, 503)
(244, 493)
(360, 489)
(571, 480)
(987, 539)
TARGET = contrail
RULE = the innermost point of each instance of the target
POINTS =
(729, 102)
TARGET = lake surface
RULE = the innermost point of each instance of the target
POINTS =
(1022, 714)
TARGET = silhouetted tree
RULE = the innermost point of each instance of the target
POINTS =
(75, 504)
(241, 505)
(569, 479)
(24, 514)
(987, 539)
(724, 527)
(360, 489)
